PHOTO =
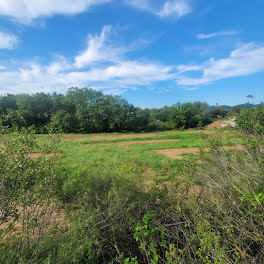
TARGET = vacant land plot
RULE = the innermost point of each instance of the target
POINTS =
(178, 153)
(135, 153)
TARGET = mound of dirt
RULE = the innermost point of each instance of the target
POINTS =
(215, 125)
(221, 123)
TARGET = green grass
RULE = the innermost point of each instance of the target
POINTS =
(88, 153)
(114, 194)
(111, 158)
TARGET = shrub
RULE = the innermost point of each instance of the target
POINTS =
(251, 121)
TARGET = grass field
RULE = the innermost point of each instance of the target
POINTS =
(144, 154)
(116, 193)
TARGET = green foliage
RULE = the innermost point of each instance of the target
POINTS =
(251, 121)
(86, 110)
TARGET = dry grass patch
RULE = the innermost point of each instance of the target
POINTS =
(34, 221)
(38, 155)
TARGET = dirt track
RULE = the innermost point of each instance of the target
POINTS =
(128, 143)
(177, 153)
(123, 136)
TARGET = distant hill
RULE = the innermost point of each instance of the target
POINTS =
(213, 107)
(228, 107)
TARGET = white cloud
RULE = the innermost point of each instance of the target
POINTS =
(128, 74)
(217, 34)
(188, 68)
(173, 8)
(8, 41)
(243, 61)
(99, 50)
(26, 10)
(93, 67)
(177, 8)
(113, 72)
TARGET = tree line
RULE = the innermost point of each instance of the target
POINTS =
(84, 110)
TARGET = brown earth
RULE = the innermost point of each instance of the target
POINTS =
(48, 215)
(81, 137)
(123, 136)
(215, 125)
(74, 137)
(177, 153)
(128, 143)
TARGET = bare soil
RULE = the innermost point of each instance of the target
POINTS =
(221, 124)
(177, 153)
(74, 137)
(128, 143)
(48, 215)
(215, 125)
(123, 136)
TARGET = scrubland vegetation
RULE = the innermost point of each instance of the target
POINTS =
(88, 111)
(82, 198)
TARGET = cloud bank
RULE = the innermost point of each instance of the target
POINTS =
(243, 61)
(100, 65)
(25, 11)
(105, 66)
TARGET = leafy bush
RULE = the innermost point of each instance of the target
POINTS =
(251, 121)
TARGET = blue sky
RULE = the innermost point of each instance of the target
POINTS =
(151, 52)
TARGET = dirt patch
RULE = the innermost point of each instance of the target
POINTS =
(128, 143)
(177, 153)
(3, 137)
(123, 136)
(81, 137)
(47, 216)
(149, 176)
(74, 137)
(149, 173)
(221, 124)
(215, 125)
